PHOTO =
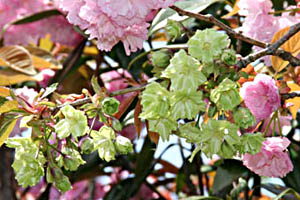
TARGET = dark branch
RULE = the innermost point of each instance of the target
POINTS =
(85, 100)
(290, 95)
(267, 49)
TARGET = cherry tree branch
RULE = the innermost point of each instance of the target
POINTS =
(271, 49)
(211, 19)
(290, 95)
(85, 100)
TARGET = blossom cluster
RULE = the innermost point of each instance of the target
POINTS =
(111, 21)
(259, 21)
(262, 98)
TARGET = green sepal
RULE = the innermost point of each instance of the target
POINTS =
(226, 96)
(71, 159)
(207, 44)
(184, 72)
(160, 59)
(174, 29)
(186, 104)
(87, 146)
(244, 118)
(219, 137)
(163, 127)
(103, 142)
(56, 176)
(75, 123)
(190, 132)
(155, 102)
(229, 57)
(251, 143)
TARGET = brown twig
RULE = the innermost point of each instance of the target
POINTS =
(213, 20)
(85, 100)
(290, 95)
(271, 49)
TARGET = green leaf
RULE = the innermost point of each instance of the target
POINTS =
(7, 106)
(7, 124)
(49, 90)
(186, 104)
(219, 137)
(56, 176)
(163, 126)
(3, 100)
(37, 17)
(244, 118)
(251, 143)
(226, 95)
(161, 18)
(184, 72)
(190, 132)
(104, 144)
(28, 162)
(155, 102)
(230, 170)
(287, 191)
(75, 123)
(207, 44)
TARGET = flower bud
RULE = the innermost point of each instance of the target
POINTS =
(123, 145)
(174, 29)
(229, 57)
(160, 58)
(110, 105)
(86, 145)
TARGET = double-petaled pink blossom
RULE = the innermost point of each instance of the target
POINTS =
(261, 96)
(273, 160)
(111, 21)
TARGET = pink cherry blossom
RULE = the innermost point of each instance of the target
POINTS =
(57, 26)
(261, 25)
(261, 96)
(27, 94)
(258, 24)
(111, 21)
(116, 80)
(273, 160)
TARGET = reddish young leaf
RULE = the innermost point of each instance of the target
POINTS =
(154, 137)
(168, 167)
(137, 121)
(125, 105)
